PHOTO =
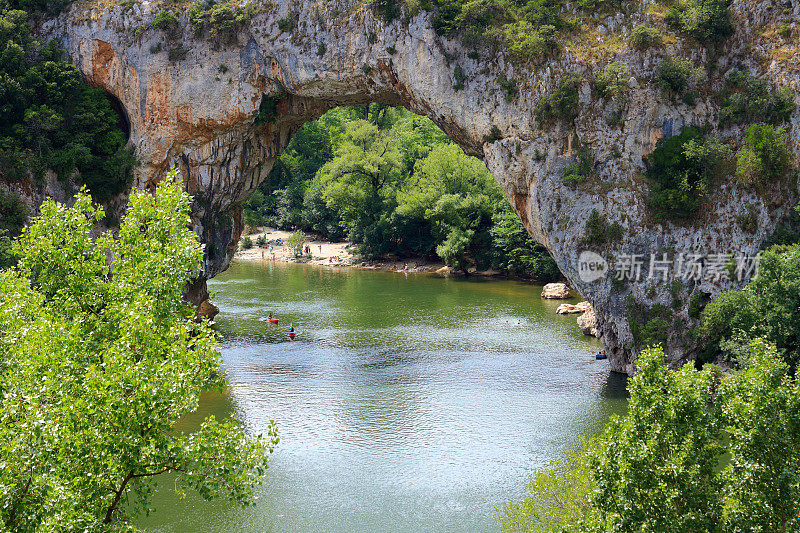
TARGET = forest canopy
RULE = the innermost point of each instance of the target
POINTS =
(393, 183)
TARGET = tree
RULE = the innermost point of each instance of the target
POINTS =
(765, 308)
(99, 357)
(559, 496)
(655, 468)
(296, 242)
(50, 118)
(360, 181)
(695, 452)
(761, 412)
(515, 252)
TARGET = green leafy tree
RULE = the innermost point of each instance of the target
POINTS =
(560, 496)
(695, 452)
(765, 308)
(99, 357)
(765, 156)
(516, 252)
(296, 242)
(361, 180)
(655, 468)
(760, 409)
(51, 119)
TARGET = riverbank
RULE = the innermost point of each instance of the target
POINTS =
(335, 254)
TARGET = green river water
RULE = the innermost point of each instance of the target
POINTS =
(407, 402)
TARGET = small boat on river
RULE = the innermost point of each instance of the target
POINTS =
(601, 355)
(272, 320)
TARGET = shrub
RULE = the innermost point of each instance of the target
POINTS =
(288, 23)
(525, 42)
(156, 48)
(267, 109)
(571, 174)
(177, 54)
(765, 156)
(509, 87)
(708, 21)
(599, 231)
(748, 221)
(681, 170)
(246, 243)
(387, 9)
(579, 171)
(644, 37)
(649, 325)
(221, 21)
(165, 21)
(562, 103)
(676, 75)
(296, 242)
(459, 77)
(493, 135)
(612, 81)
(746, 98)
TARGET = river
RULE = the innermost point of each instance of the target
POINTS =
(406, 403)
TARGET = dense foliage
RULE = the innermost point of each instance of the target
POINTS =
(707, 21)
(50, 118)
(682, 170)
(747, 99)
(695, 452)
(765, 308)
(765, 156)
(96, 369)
(13, 214)
(392, 182)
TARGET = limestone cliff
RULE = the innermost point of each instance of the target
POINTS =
(197, 110)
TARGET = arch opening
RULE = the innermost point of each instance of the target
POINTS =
(398, 188)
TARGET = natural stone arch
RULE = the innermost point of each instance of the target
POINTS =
(199, 114)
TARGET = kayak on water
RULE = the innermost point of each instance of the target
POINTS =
(292, 335)
(272, 320)
(601, 355)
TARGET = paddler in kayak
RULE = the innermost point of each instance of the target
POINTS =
(291, 331)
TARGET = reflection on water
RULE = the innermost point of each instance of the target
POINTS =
(407, 403)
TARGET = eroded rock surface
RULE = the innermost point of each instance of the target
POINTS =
(199, 114)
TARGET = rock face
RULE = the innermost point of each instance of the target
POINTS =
(199, 113)
(588, 323)
(556, 291)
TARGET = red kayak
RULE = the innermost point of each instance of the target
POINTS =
(292, 335)
(272, 320)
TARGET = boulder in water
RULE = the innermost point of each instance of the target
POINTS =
(588, 323)
(556, 291)
(569, 309)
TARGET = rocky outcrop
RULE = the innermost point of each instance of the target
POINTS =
(198, 111)
(207, 310)
(556, 291)
(570, 309)
(588, 323)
